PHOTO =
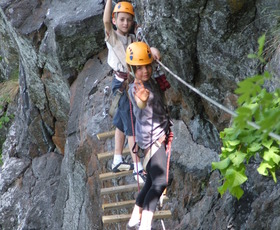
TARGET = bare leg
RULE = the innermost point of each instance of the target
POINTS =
(118, 163)
(119, 142)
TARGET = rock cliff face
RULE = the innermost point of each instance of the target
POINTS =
(56, 50)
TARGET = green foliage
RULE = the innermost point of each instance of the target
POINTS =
(242, 142)
(4, 118)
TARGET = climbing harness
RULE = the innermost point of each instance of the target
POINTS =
(149, 152)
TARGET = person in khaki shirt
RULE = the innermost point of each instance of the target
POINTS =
(117, 42)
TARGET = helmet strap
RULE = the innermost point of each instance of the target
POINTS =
(132, 71)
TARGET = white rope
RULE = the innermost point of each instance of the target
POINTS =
(273, 135)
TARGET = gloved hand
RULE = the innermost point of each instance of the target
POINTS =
(162, 82)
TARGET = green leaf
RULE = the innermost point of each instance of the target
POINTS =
(254, 147)
(231, 132)
(242, 99)
(233, 142)
(262, 169)
(235, 178)
(248, 138)
(222, 189)
(267, 143)
(271, 154)
(241, 121)
(272, 118)
(237, 192)
(244, 87)
(238, 158)
(258, 80)
(244, 111)
(272, 171)
(229, 149)
(266, 74)
(6, 119)
(221, 164)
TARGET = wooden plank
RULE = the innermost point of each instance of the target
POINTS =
(112, 175)
(102, 136)
(163, 214)
(110, 154)
(117, 205)
(124, 204)
(122, 188)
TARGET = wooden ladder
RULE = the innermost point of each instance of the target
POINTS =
(114, 190)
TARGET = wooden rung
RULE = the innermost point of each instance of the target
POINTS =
(112, 175)
(110, 154)
(123, 204)
(117, 205)
(122, 188)
(102, 136)
(125, 217)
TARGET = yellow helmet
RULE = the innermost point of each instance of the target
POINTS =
(138, 53)
(124, 7)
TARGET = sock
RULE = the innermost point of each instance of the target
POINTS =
(145, 228)
(133, 222)
(139, 165)
(117, 159)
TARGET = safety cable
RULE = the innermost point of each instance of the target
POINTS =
(254, 125)
(141, 34)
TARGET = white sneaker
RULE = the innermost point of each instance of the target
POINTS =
(141, 176)
(122, 166)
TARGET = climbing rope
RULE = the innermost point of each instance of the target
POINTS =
(133, 133)
(168, 151)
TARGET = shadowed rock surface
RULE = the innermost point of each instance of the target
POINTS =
(56, 50)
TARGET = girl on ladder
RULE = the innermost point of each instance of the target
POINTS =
(151, 129)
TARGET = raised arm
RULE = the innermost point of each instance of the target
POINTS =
(107, 16)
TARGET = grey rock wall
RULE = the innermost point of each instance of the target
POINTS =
(49, 179)
(41, 54)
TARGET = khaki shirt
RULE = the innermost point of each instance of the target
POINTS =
(117, 45)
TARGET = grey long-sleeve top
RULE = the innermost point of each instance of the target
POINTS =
(152, 122)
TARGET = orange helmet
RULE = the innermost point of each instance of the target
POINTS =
(124, 7)
(138, 53)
